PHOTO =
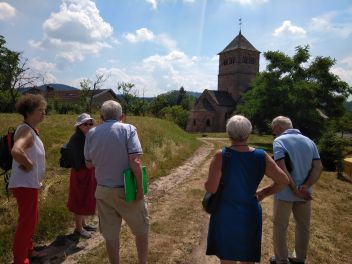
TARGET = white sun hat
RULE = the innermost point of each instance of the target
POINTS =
(82, 118)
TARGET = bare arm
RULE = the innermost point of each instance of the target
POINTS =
(313, 177)
(135, 163)
(280, 179)
(23, 140)
(282, 165)
(89, 164)
(212, 183)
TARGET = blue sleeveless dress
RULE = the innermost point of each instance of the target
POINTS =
(235, 228)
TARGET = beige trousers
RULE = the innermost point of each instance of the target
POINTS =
(301, 213)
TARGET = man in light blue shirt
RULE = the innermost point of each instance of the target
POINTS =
(111, 148)
(306, 168)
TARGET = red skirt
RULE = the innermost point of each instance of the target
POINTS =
(81, 197)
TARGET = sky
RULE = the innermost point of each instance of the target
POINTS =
(161, 45)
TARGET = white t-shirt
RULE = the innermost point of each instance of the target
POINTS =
(34, 177)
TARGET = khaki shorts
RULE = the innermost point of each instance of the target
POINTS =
(112, 208)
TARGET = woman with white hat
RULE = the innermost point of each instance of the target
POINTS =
(81, 200)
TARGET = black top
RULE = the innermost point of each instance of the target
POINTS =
(76, 146)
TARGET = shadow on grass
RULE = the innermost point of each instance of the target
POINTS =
(58, 250)
(341, 177)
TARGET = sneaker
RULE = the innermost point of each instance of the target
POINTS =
(90, 228)
(83, 233)
(272, 260)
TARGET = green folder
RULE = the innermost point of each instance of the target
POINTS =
(131, 185)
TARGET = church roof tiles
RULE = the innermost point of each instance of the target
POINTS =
(239, 42)
(222, 98)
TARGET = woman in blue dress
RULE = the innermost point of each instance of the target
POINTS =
(235, 228)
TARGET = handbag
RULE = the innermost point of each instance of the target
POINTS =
(211, 200)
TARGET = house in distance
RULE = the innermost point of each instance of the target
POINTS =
(69, 94)
(238, 66)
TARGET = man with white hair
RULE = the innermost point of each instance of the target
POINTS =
(111, 148)
(306, 167)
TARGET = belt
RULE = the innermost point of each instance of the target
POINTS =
(116, 186)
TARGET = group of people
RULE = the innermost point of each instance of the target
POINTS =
(100, 154)
(235, 228)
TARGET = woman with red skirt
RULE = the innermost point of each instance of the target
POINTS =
(81, 200)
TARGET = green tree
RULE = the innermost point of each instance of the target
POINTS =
(88, 88)
(344, 124)
(332, 150)
(305, 91)
(128, 96)
(9, 61)
(170, 99)
(176, 114)
(14, 74)
(158, 104)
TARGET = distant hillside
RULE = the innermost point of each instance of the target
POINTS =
(61, 87)
(348, 106)
(55, 86)
(194, 94)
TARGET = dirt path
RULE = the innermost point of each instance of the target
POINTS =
(178, 224)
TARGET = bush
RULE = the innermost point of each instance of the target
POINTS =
(6, 104)
(331, 148)
(176, 114)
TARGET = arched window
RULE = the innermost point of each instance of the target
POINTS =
(208, 123)
(194, 122)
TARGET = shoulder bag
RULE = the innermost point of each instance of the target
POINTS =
(211, 200)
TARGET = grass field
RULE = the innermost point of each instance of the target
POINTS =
(164, 144)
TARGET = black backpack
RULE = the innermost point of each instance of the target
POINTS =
(6, 144)
(65, 157)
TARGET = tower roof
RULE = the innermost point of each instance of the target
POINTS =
(239, 42)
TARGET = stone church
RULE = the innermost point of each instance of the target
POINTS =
(238, 65)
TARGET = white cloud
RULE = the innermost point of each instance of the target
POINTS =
(144, 34)
(161, 73)
(42, 66)
(166, 41)
(6, 11)
(176, 69)
(325, 24)
(153, 3)
(75, 31)
(288, 29)
(44, 69)
(249, 2)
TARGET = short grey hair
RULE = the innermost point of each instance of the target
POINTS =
(238, 127)
(282, 121)
(111, 110)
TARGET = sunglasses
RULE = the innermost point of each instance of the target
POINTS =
(87, 124)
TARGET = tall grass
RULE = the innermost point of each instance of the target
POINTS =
(164, 145)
